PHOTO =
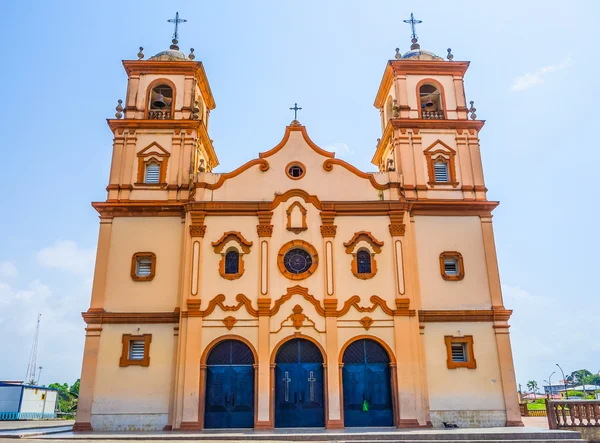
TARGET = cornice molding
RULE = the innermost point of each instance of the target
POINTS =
(144, 208)
(491, 315)
(421, 67)
(286, 136)
(328, 166)
(101, 317)
(182, 67)
(263, 165)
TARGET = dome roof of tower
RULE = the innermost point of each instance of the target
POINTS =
(420, 54)
(171, 55)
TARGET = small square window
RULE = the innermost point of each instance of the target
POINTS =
(136, 350)
(143, 266)
(452, 266)
(460, 352)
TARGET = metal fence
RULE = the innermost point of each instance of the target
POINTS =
(26, 415)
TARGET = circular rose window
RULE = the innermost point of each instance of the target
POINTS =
(297, 260)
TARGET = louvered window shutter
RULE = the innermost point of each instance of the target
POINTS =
(152, 173)
(451, 266)
(137, 348)
(459, 352)
(143, 267)
(441, 172)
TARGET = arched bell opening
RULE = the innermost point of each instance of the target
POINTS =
(230, 386)
(299, 385)
(367, 385)
(431, 101)
(160, 101)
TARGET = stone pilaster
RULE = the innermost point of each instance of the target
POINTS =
(88, 378)
(264, 229)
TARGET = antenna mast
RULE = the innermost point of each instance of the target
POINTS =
(31, 366)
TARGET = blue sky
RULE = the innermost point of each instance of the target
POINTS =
(533, 68)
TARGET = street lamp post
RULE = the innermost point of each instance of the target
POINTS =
(550, 383)
(564, 380)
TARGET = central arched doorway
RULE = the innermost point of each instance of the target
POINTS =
(299, 385)
(367, 385)
(229, 386)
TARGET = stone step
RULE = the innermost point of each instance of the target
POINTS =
(495, 435)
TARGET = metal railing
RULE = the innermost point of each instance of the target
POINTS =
(26, 415)
(432, 115)
(573, 413)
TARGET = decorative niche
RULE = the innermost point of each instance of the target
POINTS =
(296, 218)
(363, 246)
(232, 246)
(152, 166)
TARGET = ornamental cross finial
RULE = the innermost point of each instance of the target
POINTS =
(295, 109)
(412, 23)
(176, 20)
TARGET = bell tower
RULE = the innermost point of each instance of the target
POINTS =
(429, 137)
(161, 136)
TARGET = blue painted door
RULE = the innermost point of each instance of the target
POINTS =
(299, 386)
(229, 386)
(367, 385)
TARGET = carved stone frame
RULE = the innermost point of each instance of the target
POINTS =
(445, 153)
(461, 266)
(242, 246)
(297, 244)
(352, 248)
(144, 157)
(288, 212)
(134, 260)
(467, 340)
(127, 339)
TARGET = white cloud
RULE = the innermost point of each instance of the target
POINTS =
(61, 329)
(68, 256)
(545, 332)
(339, 148)
(8, 269)
(530, 79)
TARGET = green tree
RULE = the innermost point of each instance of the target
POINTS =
(532, 386)
(579, 377)
(75, 388)
(67, 396)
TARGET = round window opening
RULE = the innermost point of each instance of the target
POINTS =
(295, 170)
(297, 261)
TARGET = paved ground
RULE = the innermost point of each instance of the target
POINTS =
(31, 424)
(536, 422)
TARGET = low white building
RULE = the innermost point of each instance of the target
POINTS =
(20, 401)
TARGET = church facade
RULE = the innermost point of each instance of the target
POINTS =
(296, 290)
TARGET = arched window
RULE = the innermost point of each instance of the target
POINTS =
(431, 102)
(440, 170)
(152, 174)
(232, 262)
(161, 100)
(363, 259)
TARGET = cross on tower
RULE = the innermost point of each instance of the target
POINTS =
(176, 20)
(295, 109)
(412, 23)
